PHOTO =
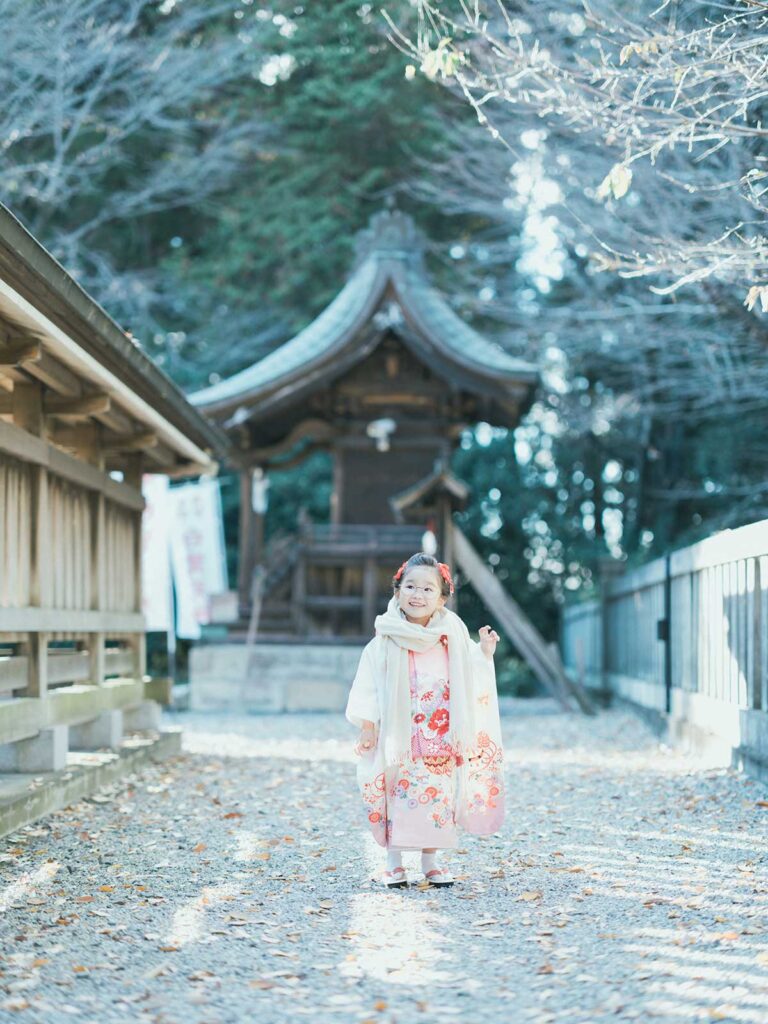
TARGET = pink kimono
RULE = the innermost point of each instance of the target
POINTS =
(413, 805)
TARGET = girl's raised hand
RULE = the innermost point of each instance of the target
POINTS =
(488, 640)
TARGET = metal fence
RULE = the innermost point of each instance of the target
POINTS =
(684, 636)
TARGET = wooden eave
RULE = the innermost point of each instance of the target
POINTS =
(95, 377)
(440, 480)
(346, 332)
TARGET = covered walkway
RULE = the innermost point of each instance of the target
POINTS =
(231, 884)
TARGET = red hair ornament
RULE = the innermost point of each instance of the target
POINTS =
(445, 572)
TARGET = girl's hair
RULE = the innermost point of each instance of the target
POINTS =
(421, 558)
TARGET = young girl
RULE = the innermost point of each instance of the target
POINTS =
(424, 698)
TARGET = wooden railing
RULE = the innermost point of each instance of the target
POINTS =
(684, 637)
(71, 629)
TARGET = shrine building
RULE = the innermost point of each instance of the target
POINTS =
(385, 379)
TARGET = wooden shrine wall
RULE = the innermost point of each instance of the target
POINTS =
(369, 478)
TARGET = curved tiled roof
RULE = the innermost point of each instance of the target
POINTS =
(390, 259)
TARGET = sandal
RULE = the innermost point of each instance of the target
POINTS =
(396, 879)
(439, 878)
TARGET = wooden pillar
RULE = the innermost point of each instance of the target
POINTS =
(27, 402)
(338, 486)
(446, 547)
(28, 408)
(445, 537)
(36, 650)
(246, 542)
(89, 448)
(299, 593)
(133, 470)
(370, 593)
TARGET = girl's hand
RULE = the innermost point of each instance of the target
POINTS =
(367, 740)
(488, 640)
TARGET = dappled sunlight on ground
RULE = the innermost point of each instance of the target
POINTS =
(189, 924)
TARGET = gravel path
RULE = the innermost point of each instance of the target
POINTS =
(231, 884)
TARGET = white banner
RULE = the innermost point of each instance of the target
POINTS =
(156, 596)
(182, 534)
(189, 603)
(198, 538)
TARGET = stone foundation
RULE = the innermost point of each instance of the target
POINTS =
(271, 677)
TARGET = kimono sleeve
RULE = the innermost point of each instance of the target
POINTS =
(487, 707)
(483, 667)
(484, 670)
(363, 702)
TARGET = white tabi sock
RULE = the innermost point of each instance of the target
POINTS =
(428, 862)
(394, 859)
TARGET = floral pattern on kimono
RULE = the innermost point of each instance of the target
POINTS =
(483, 810)
(421, 805)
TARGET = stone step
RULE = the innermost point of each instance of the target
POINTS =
(25, 796)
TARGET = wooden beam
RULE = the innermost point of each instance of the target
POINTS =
(317, 430)
(399, 398)
(83, 438)
(117, 421)
(320, 446)
(21, 445)
(161, 455)
(61, 406)
(132, 443)
(20, 352)
(55, 375)
(77, 408)
(62, 620)
(93, 479)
